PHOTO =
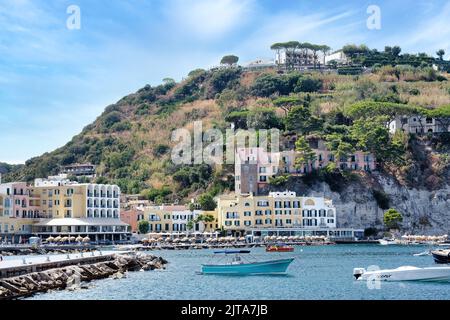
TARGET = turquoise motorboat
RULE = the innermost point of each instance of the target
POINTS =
(238, 266)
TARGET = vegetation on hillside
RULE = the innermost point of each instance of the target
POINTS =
(130, 141)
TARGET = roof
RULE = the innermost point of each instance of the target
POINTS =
(81, 222)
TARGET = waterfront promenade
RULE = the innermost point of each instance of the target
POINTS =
(12, 266)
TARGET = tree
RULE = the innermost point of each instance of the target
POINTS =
(441, 53)
(396, 51)
(300, 120)
(305, 156)
(229, 60)
(325, 49)
(264, 118)
(287, 103)
(207, 202)
(392, 218)
(143, 226)
(190, 225)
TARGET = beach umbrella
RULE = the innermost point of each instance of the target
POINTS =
(72, 238)
(63, 239)
(242, 239)
(58, 238)
(145, 240)
(50, 239)
(86, 239)
(79, 239)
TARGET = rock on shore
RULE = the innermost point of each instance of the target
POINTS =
(71, 277)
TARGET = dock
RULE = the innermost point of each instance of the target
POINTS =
(16, 267)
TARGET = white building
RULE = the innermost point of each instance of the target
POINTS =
(338, 56)
(418, 125)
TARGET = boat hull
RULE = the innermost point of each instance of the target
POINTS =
(265, 267)
(408, 274)
(279, 249)
(441, 256)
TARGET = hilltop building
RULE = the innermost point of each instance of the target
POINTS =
(419, 125)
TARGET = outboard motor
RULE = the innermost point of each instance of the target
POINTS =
(358, 272)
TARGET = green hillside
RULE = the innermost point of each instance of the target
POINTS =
(130, 141)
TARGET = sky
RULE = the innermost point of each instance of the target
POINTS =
(55, 80)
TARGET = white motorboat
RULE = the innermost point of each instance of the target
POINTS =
(386, 242)
(406, 273)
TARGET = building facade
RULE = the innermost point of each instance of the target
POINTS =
(239, 214)
(57, 206)
(175, 219)
(255, 166)
(419, 125)
(79, 170)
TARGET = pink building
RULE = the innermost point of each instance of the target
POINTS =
(22, 203)
(254, 166)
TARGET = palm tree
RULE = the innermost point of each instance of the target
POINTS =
(325, 49)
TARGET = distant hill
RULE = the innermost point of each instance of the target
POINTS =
(130, 141)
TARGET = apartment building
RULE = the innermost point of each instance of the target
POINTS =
(238, 214)
(58, 206)
(255, 166)
(79, 170)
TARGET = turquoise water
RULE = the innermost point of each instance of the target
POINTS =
(318, 273)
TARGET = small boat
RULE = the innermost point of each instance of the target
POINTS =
(238, 266)
(441, 256)
(279, 248)
(386, 242)
(425, 253)
(405, 273)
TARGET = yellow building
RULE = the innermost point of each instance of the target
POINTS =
(58, 206)
(239, 214)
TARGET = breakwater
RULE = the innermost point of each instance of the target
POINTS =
(23, 250)
(72, 276)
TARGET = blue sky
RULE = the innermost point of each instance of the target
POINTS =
(54, 81)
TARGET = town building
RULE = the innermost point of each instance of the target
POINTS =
(255, 166)
(419, 125)
(79, 170)
(132, 216)
(175, 219)
(58, 206)
(281, 214)
(339, 56)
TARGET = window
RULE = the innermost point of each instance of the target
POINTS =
(268, 212)
(262, 170)
(237, 223)
(258, 213)
(247, 223)
(263, 179)
(247, 214)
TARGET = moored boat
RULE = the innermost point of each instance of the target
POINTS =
(279, 248)
(406, 273)
(237, 266)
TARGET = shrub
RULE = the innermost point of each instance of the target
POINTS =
(111, 118)
(414, 92)
(392, 219)
(308, 84)
(143, 226)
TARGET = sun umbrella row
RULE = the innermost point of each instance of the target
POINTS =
(68, 239)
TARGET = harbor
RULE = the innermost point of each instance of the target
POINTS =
(318, 272)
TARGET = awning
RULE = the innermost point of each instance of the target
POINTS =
(80, 222)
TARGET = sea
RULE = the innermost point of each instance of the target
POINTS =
(317, 273)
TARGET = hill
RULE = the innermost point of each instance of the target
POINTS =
(130, 141)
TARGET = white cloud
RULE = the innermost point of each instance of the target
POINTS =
(206, 18)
